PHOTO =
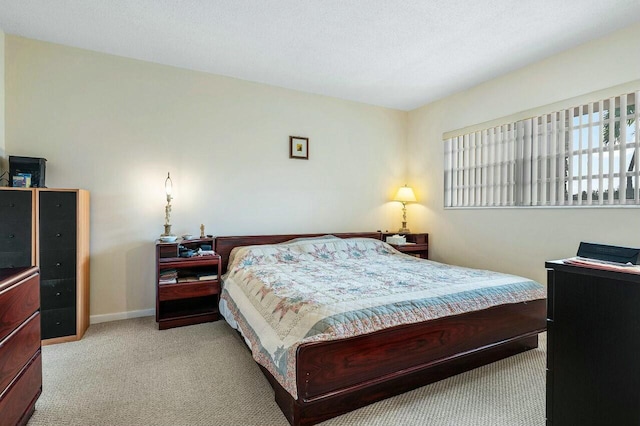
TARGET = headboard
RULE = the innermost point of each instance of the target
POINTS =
(224, 245)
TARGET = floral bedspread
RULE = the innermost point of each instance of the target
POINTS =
(283, 295)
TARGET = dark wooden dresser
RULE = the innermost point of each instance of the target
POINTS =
(593, 338)
(20, 361)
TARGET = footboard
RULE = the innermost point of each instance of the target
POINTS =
(338, 376)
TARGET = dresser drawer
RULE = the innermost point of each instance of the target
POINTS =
(15, 235)
(55, 294)
(15, 204)
(57, 264)
(57, 205)
(60, 234)
(15, 259)
(20, 397)
(187, 290)
(58, 322)
(18, 348)
(18, 303)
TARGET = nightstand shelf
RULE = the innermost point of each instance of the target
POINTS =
(418, 244)
(191, 294)
(187, 312)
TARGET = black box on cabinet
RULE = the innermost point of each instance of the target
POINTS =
(32, 165)
(622, 255)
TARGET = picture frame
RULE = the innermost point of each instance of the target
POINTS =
(298, 147)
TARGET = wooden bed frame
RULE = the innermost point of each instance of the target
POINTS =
(339, 376)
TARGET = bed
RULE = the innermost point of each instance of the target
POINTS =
(338, 322)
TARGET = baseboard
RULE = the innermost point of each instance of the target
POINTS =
(96, 319)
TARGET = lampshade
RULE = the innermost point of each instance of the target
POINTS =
(168, 185)
(405, 195)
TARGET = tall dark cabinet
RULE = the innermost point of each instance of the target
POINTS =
(593, 338)
(49, 228)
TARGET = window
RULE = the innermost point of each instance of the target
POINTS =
(586, 155)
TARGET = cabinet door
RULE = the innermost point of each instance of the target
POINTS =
(58, 224)
(595, 341)
(57, 294)
(58, 266)
(58, 322)
(16, 240)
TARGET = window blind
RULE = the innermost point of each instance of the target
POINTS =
(584, 155)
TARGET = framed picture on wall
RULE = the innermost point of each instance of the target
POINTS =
(298, 147)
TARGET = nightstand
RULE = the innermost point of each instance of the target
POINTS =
(187, 288)
(418, 244)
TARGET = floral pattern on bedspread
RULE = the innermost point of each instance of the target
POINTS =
(284, 295)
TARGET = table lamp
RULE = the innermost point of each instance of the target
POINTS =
(168, 188)
(405, 195)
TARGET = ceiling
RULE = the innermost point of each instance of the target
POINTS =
(395, 53)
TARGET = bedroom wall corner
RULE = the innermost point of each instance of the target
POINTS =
(520, 240)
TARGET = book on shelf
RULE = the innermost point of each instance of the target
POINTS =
(187, 279)
(207, 276)
(168, 276)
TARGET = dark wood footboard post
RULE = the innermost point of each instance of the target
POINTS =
(289, 406)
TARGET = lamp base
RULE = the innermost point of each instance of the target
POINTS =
(404, 229)
(167, 231)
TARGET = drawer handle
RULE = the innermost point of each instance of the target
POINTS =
(11, 236)
(11, 205)
(58, 294)
(58, 235)
(58, 322)
(58, 264)
(58, 205)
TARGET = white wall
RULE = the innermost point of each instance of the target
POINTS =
(115, 126)
(519, 240)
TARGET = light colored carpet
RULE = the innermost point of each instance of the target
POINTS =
(129, 373)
